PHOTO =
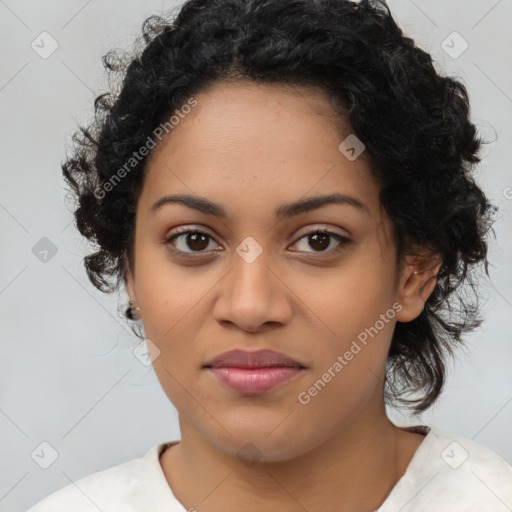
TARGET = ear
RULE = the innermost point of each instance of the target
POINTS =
(417, 281)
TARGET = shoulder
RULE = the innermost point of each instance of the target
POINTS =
(451, 473)
(116, 488)
(461, 459)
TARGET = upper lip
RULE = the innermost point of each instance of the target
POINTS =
(252, 359)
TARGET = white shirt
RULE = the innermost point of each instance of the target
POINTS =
(448, 473)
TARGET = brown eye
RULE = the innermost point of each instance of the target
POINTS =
(320, 241)
(190, 241)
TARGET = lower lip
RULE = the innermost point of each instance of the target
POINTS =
(255, 380)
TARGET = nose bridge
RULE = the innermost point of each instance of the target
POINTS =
(251, 279)
(251, 294)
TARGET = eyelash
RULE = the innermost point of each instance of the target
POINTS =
(184, 231)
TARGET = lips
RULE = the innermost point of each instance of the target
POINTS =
(253, 372)
(252, 359)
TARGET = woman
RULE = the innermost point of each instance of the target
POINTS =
(284, 190)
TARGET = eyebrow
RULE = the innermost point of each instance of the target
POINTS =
(287, 210)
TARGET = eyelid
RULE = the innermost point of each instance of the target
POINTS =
(319, 227)
(300, 233)
(187, 229)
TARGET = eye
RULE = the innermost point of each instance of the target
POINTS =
(198, 241)
(320, 240)
(194, 239)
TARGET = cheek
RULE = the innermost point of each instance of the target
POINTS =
(171, 294)
(354, 311)
(175, 329)
(350, 301)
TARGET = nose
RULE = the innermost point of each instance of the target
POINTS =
(253, 296)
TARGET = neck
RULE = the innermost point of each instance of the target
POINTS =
(354, 469)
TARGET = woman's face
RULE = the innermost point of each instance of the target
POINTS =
(257, 280)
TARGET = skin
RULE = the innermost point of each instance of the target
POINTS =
(251, 148)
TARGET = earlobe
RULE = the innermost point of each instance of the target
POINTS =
(418, 280)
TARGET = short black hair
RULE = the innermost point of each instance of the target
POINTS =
(413, 121)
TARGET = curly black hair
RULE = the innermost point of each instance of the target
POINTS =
(413, 121)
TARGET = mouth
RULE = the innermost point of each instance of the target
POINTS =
(253, 372)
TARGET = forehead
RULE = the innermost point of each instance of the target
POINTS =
(257, 145)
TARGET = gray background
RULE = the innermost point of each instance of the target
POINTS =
(68, 373)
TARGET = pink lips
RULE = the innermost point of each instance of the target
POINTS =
(253, 372)
(253, 381)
